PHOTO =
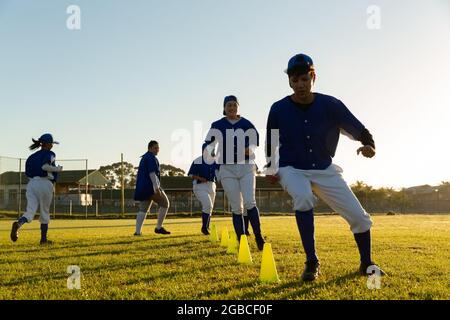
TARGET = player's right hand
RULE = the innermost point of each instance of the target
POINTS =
(158, 192)
(366, 151)
(273, 178)
(60, 168)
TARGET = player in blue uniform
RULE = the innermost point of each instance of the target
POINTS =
(236, 139)
(148, 189)
(42, 171)
(309, 125)
(204, 187)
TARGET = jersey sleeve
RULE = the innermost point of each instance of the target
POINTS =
(271, 141)
(193, 170)
(210, 137)
(52, 161)
(252, 127)
(152, 164)
(210, 141)
(48, 158)
(347, 122)
(367, 139)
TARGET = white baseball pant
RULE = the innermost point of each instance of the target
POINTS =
(239, 182)
(206, 194)
(39, 194)
(331, 187)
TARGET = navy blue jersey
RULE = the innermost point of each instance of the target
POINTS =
(34, 163)
(234, 138)
(200, 168)
(308, 137)
(144, 186)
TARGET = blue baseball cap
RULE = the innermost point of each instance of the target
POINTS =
(229, 98)
(47, 138)
(302, 62)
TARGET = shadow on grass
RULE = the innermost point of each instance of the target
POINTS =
(172, 274)
(81, 244)
(223, 290)
(123, 267)
(86, 271)
(188, 245)
(131, 225)
(297, 288)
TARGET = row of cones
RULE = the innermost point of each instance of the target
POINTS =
(268, 273)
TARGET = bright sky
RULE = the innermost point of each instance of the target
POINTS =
(141, 70)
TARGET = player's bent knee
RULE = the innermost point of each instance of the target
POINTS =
(44, 220)
(250, 205)
(207, 209)
(304, 202)
(361, 224)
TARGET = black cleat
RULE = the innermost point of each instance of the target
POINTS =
(311, 271)
(137, 234)
(46, 242)
(205, 231)
(15, 231)
(259, 241)
(247, 233)
(161, 231)
(374, 269)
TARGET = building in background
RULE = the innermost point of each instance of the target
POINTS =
(70, 189)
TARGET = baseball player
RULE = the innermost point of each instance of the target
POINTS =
(148, 189)
(42, 171)
(236, 139)
(204, 187)
(309, 125)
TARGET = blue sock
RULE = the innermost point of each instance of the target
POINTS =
(364, 246)
(305, 224)
(253, 216)
(22, 221)
(246, 221)
(205, 220)
(44, 229)
(238, 224)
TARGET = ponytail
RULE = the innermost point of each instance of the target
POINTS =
(36, 144)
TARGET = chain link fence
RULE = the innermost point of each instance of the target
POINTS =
(80, 192)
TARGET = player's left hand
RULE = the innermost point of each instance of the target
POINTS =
(367, 151)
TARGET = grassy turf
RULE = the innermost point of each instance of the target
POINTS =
(412, 249)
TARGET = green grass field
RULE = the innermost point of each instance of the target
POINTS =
(412, 249)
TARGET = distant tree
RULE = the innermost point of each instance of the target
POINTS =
(113, 173)
(171, 171)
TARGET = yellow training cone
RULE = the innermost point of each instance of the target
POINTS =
(268, 268)
(213, 236)
(232, 243)
(225, 237)
(244, 251)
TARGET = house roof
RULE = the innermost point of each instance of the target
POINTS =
(71, 177)
(426, 189)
